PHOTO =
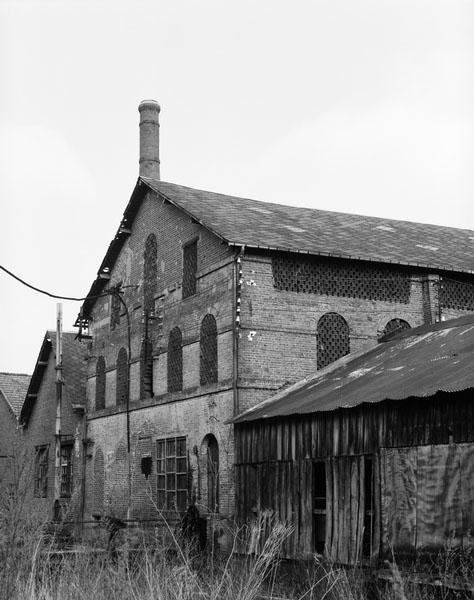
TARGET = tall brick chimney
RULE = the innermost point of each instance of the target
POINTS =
(149, 139)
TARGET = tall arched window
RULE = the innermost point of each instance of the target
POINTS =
(333, 339)
(122, 377)
(98, 482)
(100, 383)
(395, 325)
(175, 361)
(208, 350)
(146, 369)
(212, 468)
(150, 272)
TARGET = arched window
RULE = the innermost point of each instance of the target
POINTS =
(208, 350)
(395, 325)
(98, 481)
(100, 383)
(212, 468)
(150, 272)
(175, 361)
(333, 339)
(122, 377)
(146, 369)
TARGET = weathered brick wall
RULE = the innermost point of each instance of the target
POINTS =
(194, 412)
(9, 443)
(278, 337)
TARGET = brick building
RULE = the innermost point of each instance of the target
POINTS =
(206, 304)
(38, 419)
(13, 388)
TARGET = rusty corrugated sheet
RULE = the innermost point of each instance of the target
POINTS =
(418, 363)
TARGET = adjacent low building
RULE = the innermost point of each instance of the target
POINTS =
(373, 455)
(13, 387)
(56, 485)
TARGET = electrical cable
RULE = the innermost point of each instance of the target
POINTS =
(56, 296)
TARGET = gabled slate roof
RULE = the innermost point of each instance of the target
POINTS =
(240, 221)
(13, 387)
(416, 363)
(255, 224)
(74, 372)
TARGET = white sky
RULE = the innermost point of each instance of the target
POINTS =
(351, 105)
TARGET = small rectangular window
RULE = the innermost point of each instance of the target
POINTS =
(319, 505)
(172, 474)
(41, 471)
(189, 269)
(66, 470)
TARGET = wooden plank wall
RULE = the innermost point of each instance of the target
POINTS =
(364, 429)
(274, 457)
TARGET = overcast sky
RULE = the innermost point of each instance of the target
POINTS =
(351, 105)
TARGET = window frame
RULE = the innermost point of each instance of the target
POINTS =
(67, 466)
(172, 488)
(41, 471)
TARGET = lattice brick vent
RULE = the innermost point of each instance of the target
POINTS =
(458, 295)
(350, 280)
(175, 361)
(333, 339)
(150, 272)
(208, 350)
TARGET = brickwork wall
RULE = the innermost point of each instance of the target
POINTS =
(278, 338)
(194, 412)
(9, 443)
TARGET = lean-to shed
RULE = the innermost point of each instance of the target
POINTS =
(373, 454)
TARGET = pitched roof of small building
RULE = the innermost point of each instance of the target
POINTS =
(416, 363)
(13, 387)
(263, 225)
(74, 371)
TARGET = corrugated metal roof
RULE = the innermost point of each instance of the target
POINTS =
(242, 221)
(418, 363)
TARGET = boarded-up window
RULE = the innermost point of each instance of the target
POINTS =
(100, 383)
(333, 339)
(41, 471)
(212, 465)
(66, 470)
(427, 496)
(189, 269)
(172, 474)
(146, 369)
(175, 361)
(208, 350)
(150, 273)
(115, 308)
(122, 377)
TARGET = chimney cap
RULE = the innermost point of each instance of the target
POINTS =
(147, 104)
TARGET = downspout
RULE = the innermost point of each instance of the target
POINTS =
(237, 289)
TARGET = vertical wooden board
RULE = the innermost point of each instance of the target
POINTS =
(467, 491)
(439, 497)
(352, 530)
(278, 455)
(398, 502)
(329, 508)
(305, 518)
(376, 537)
